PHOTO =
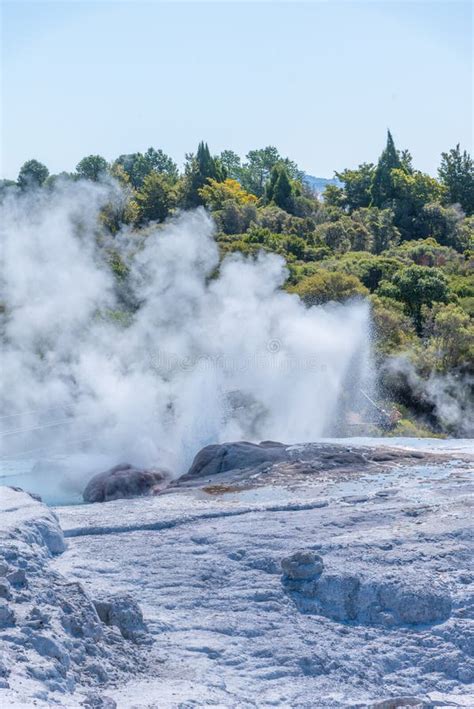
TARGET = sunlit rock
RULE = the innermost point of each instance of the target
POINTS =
(215, 459)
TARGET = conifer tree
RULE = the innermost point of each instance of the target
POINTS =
(279, 189)
(382, 185)
(199, 169)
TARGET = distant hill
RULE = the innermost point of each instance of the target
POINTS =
(319, 184)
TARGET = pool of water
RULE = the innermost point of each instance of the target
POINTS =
(54, 480)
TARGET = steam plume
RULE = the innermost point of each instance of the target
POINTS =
(203, 358)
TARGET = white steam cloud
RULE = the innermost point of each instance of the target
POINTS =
(447, 397)
(204, 356)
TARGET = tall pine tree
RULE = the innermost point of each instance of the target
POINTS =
(382, 185)
(279, 189)
(199, 169)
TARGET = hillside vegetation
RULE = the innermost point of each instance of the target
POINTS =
(384, 231)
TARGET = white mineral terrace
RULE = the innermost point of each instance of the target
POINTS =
(179, 600)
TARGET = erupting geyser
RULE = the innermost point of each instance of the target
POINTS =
(170, 358)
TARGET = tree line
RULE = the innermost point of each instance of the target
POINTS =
(386, 231)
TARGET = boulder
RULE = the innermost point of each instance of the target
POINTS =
(291, 460)
(124, 481)
(220, 458)
(302, 565)
(123, 612)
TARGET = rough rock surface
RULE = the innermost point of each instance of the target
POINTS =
(52, 640)
(394, 599)
(124, 481)
(301, 566)
(123, 612)
(306, 458)
(382, 616)
(368, 552)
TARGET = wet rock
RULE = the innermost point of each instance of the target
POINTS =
(215, 459)
(307, 457)
(336, 458)
(124, 481)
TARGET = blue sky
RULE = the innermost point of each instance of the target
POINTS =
(320, 80)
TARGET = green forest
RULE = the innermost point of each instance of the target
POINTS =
(385, 231)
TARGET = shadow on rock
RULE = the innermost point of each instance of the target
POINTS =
(123, 612)
(349, 597)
